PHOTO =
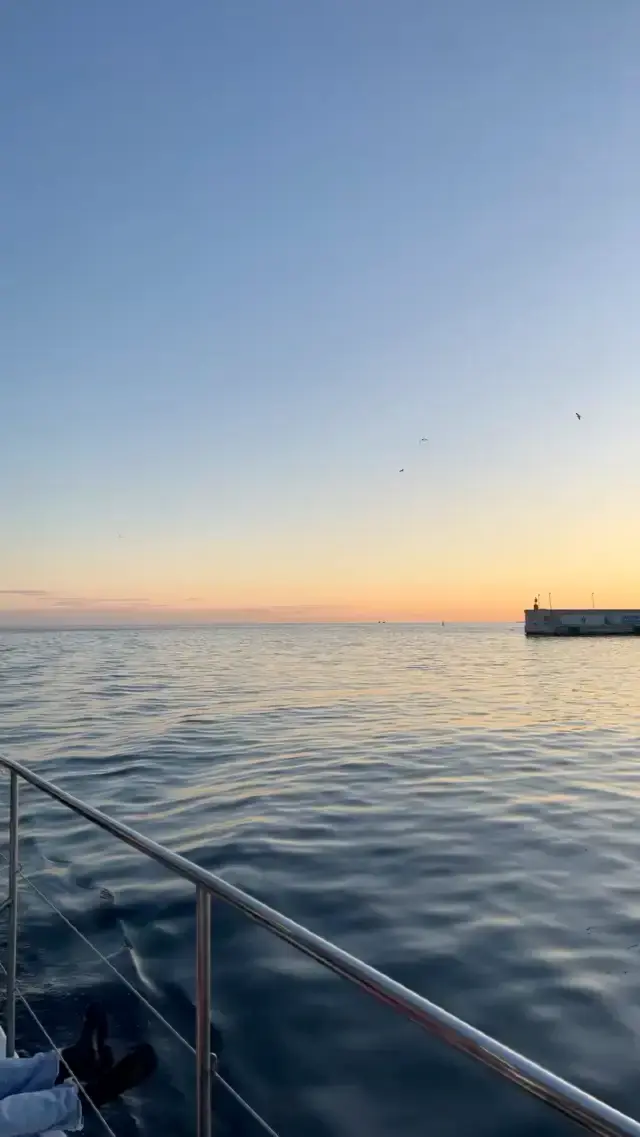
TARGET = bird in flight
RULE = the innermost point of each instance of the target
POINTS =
(401, 471)
(424, 439)
(578, 416)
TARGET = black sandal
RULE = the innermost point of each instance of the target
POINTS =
(136, 1066)
(90, 1055)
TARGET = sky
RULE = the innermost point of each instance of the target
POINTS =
(252, 252)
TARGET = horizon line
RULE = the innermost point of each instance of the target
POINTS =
(43, 626)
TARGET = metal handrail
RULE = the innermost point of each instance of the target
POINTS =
(536, 1080)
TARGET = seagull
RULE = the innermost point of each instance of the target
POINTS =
(578, 416)
(424, 439)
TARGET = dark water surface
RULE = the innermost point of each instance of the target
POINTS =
(458, 806)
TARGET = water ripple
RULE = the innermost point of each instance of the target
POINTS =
(458, 806)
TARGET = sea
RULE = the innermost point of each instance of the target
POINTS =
(458, 806)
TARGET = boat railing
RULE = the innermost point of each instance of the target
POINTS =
(568, 1099)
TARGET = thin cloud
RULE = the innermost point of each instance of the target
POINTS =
(98, 602)
(41, 592)
(116, 600)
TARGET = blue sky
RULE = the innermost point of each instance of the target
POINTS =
(252, 252)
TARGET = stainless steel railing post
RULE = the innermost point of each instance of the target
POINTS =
(13, 915)
(203, 1012)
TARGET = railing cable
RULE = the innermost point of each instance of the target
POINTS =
(245, 1105)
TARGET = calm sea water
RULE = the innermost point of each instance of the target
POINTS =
(458, 806)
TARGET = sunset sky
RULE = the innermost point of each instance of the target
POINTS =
(253, 250)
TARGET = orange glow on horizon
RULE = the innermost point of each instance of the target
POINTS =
(50, 611)
(464, 574)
